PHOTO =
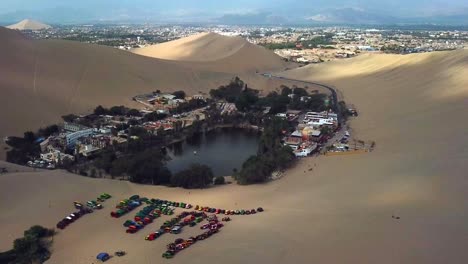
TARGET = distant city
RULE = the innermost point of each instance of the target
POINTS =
(298, 44)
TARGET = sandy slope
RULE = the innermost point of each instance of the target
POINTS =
(340, 211)
(28, 24)
(205, 50)
(43, 80)
(198, 47)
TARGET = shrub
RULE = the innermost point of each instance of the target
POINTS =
(219, 180)
(197, 176)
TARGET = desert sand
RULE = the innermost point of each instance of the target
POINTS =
(43, 80)
(28, 24)
(214, 52)
(199, 47)
(335, 209)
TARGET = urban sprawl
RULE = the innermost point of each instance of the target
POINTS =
(299, 44)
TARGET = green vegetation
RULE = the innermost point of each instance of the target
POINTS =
(318, 41)
(343, 109)
(154, 116)
(301, 100)
(48, 131)
(229, 92)
(219, 180)
(237, 92)
(148, 166)
(179, 94)
(273, 46)
(33, 247)
(392, 48)
(324, 40)
(23, 148)
(271, 156)
(247, 99)
(69, 118)
(116, 111)
(197, 176)
(189, 106)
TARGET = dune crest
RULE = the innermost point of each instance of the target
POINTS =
(199, 47)
(202, 47)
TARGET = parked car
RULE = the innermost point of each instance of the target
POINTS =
(176, 229)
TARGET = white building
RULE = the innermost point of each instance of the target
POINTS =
(71, 138)
(73, 127)
(55, 156)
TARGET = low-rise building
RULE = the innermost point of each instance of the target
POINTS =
(73, 127)
(55, 156)
(71, 138)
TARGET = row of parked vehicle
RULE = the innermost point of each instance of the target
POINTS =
(201, 208)
(62, 224)
(126, 206)
(176, 224)
(146, 216)
(228, 212)
(82, 210)
(181, 244)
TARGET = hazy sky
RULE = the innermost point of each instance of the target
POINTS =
(215, 8)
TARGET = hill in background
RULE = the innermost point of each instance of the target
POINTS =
(204, 49)
(28, 24)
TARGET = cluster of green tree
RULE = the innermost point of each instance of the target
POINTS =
(33, 247)
(219, 180)
(271, 155)
(326, 39)
(149, 167)
(47, 131)
(91, 120)
(111, 42)
(23, 148)
(154, 116)
(116, 111)
(27, 147)
(229, 92)
(301, 100)
(80, 38)
(392, 48)
(320, 40)
(196, 176)
(247, 99)
(179, 94)
(313, 102)
(189, 106)
(236, 92)
(274, 46)
(343, 110)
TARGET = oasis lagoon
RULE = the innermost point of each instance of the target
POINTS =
(223, 150)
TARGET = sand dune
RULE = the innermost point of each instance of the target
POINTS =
(43, 80)
(325, 210)
(28, 24)
(198, 47)
(229, 53)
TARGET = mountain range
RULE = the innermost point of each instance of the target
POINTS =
(270, 16)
